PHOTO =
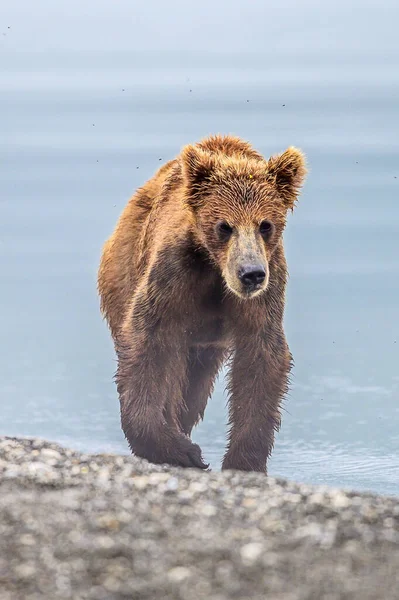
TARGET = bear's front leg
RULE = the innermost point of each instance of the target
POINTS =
(258, 382)
(151, 375)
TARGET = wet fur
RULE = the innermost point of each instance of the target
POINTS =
(174, 316)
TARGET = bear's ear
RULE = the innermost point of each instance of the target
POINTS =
(197, 168)
(288, 171)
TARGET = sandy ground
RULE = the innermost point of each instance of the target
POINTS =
(107, 527)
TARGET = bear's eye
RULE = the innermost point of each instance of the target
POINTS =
(224, 230)
(266, 228)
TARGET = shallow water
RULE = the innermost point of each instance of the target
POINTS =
(94, 97)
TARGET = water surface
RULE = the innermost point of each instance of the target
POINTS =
(94, 97)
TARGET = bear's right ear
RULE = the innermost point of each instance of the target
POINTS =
(197, 168)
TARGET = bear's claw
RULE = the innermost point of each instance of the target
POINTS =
(175, 449)
(186, 454)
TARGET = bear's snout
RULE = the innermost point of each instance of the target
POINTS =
(252, 276)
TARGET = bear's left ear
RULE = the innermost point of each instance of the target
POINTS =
(197, 168)
(288, 171)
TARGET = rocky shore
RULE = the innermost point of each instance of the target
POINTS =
(106, 527)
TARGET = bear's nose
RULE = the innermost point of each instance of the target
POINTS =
(252, 275)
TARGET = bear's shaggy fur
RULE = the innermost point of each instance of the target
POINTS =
(195, 274)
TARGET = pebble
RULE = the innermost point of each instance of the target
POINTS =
(172, 484)
(50, 453)
(25, 571)
(251, 552)
(179, 574)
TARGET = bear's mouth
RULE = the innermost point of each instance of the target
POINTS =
(252, 291)
(247, 292)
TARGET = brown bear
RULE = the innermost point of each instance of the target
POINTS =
(194, 274)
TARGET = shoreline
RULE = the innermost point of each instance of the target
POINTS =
(103, 526)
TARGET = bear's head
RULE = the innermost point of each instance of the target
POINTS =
(239, 205)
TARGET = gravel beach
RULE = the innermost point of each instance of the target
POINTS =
(107, 527)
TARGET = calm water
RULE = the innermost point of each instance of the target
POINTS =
(94, 97)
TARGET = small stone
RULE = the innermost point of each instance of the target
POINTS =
(157, 478)
(178, 574)
(38, 467)
(209, 510)
(339, 500)
(248, 502)
(316, 498)
(50, 453)
(185, 497)
(112, 584)
(103, 476)
(27, 540)
(140, 482)
(12, 472)
(105, 542)
(295, 498)
(172, 484)
(198, 487)
(75, 537)
(251, 552)
(109, 522)
(25, 571)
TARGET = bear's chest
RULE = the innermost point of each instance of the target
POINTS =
(210, 324)
(209, 332)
